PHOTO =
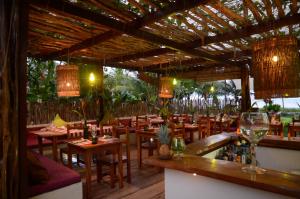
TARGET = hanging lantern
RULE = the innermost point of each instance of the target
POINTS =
(67, 80)
(276, 68)
(166, 87)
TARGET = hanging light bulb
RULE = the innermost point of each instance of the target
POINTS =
(92, 78)
(174, 81)
(275, 58)
(212, 89)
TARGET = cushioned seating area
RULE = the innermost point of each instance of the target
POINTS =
(60, 176)
(32, 141)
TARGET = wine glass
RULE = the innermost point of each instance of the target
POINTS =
(254, 126)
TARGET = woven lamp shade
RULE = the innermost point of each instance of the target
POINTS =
(67, 80)
(166, 87)
(276, 68)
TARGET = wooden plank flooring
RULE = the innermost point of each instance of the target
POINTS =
(147, 183)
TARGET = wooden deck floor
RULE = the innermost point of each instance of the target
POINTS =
(147, 183)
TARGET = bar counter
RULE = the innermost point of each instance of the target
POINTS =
(286, 184)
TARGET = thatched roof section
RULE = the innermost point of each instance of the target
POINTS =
(155, 35)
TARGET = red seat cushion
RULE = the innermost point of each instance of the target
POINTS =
(32, 141)
(59, 177)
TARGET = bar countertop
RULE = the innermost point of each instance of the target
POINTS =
(192, 162)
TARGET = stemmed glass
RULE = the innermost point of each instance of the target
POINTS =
(254, 126)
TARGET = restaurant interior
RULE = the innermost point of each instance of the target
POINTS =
(138, 99)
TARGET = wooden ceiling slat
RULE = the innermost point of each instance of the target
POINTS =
(214, 16)
(118, 26)
(249, 30)
(190, 26)
(279, 8)
(236, 18)
(246, 31)
(138, 6)
(294, 7)
(149, 2)
(177, 6)
(268, 7)
(207, 20)
(254, 10)
(113, 10)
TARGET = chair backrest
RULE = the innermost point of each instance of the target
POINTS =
(204, 126)
(295, 120)
(75, 131)
(177, 130)
(125, 122)
(106, 130)
(276, 129)
(141, 122)
(117, 131)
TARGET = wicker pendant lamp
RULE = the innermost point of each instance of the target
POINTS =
(276, 68)
(67, 80)
(166, 87)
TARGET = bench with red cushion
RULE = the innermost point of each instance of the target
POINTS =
(59, 177)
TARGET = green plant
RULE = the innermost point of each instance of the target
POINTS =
(271, 107)
(163, 135)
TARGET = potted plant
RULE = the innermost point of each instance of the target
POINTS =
(164, 139)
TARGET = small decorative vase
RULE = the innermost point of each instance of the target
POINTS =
(85, 132)
(164, 152)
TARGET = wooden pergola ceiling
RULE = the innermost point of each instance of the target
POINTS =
(155, 35)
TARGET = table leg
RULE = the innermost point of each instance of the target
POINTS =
(69, 158)
(120, 166)
(54, 148)
(40, 143)
(192, 135)
(88, 173)
(139, 151)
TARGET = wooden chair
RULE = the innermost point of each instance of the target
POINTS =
(150, 145)
(276, 129)
(177, 130)
(110, 159)
(141, 122)
(72, 135)
(204, 127)
(294, 128)
(212, 125)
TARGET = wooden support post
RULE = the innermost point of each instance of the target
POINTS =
(100, 100)
(13, 48)
(246, 100)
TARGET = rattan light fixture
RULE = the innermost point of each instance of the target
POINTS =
(166, 87)
(67, 80)
(276, 68)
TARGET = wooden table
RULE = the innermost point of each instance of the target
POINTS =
(191, 128)
(140, 134)
(86, 148)
(50, 135)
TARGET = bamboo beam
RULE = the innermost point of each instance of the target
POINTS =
(268, 7)
(294, 7)
(236, 18)
(246, 100)
(254, 10)
(147, 19)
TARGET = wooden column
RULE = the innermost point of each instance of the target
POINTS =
(246, 100)
(13, 47)
(100, 100)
